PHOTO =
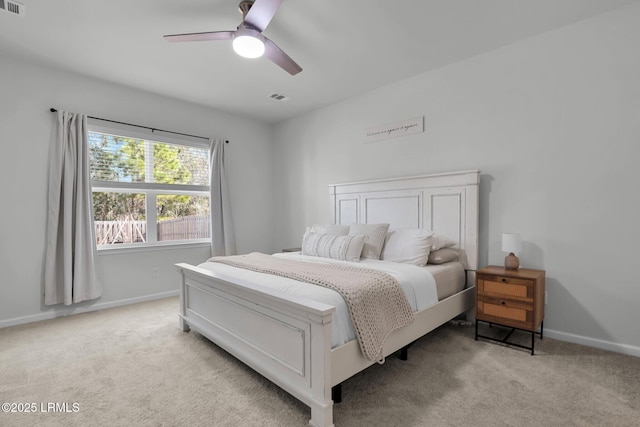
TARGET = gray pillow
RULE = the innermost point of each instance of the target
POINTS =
(443, 255)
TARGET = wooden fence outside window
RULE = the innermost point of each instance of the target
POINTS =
(132, 231)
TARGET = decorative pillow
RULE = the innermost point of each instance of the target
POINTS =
(346, 248)
(439, 241)
(443, 255)
(339, 230)
(409, 246)
(374, 235)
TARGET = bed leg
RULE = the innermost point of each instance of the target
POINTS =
(404, 352)
(184, 326)
(321, 416)
(336, 393)
(182, 322)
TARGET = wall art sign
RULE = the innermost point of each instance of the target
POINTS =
(393, 130)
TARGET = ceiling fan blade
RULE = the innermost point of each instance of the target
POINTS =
(281, 59)
(197, 37)
(261, 13)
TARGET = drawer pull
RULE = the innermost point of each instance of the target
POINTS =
(504, 280)
(502, 302)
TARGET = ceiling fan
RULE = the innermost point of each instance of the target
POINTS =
(248, 40)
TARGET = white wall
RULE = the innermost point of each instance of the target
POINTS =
(27, 91)
(553, 124)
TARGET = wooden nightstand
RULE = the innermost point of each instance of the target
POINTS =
(512, 298)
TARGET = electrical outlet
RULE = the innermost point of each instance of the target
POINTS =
(154, 272)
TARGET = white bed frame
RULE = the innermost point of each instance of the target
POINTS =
(287, 339)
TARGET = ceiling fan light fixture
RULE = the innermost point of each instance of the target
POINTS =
(248, 43)
(248, 40)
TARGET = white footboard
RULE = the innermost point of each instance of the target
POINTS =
(285, 338)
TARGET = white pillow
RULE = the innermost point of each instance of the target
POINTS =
(374, 235)
(340, 230)
(409, 246)
(439, 241)
(346, 248)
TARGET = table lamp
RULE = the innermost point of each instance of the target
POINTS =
(511, 243)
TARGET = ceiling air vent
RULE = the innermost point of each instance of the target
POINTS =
(12, 7)
(276, 96)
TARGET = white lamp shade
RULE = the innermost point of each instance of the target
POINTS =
(248, 43)
(511, 242)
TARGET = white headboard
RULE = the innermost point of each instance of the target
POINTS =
(446, 203)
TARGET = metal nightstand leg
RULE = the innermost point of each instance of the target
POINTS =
(505, 339)
(533, 341)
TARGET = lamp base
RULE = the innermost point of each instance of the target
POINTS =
(511, 262)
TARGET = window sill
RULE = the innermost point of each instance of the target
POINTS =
(138, 248)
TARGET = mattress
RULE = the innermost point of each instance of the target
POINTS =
(450, 278)
(423, 286)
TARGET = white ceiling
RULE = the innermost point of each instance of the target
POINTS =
(345, 47)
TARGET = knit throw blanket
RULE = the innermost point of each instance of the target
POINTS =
(376, 302)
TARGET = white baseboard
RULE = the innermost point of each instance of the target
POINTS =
(77, 310)
(593, 342)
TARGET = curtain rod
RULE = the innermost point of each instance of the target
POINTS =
(53, 110)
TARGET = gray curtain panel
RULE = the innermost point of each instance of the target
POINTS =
(223, 241)
(70, 273)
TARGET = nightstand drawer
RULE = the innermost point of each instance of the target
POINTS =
(506, 312)
(508, 287)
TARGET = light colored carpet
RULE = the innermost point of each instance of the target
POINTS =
(132, 366)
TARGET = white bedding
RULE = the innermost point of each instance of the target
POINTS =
(417, 283)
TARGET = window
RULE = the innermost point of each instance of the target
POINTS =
(147, 188)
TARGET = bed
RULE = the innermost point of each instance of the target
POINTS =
(288, 338)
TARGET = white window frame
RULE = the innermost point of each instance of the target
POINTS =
(149, 189)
